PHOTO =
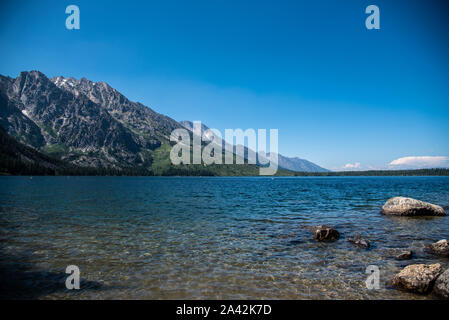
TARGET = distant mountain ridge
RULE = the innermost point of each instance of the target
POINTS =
(299, 165)
(292, 164)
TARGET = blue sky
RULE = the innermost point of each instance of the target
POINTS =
(340, 95)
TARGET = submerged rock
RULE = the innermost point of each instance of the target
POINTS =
(401, 206)
(442, 285)
(417, 277)
(440, 248)
(405, 255)
(325, 233)
(359, 241)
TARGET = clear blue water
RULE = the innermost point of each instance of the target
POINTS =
(209, 237)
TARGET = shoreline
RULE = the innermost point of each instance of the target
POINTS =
(380, 173)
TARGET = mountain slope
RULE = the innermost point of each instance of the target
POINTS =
(14, 120)
(208, 136)
(17, 158)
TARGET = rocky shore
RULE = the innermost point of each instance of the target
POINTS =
(416, 278)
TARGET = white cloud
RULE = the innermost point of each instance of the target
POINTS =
(352, 165)
(417, 162)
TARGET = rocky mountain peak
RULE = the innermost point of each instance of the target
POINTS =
(82, 121)
(32, 80)
(132, 114)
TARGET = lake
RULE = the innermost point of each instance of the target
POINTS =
(210, 237)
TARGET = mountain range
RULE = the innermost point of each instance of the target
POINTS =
(90, 124)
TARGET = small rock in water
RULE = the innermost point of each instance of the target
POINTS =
(442, 285)
(359, 241)
(401, 206)
(440, 248)
(417, 278)
(325, 233)
(405, 255)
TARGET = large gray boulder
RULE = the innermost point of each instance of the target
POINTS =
(417, 278)
(440, 248)
(401, 206)
(442, 285)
